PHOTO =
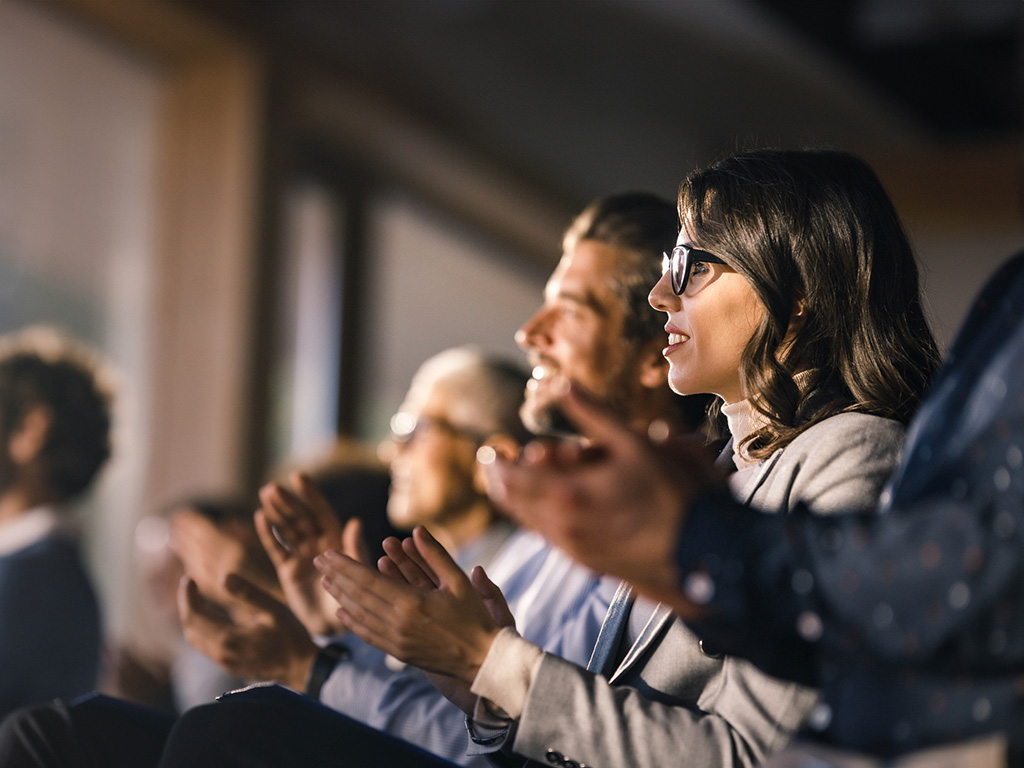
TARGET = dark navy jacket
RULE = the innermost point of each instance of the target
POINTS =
(912, 620)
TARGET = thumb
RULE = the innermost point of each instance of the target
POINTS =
(353, 542)
(437, 557)
(489, 592)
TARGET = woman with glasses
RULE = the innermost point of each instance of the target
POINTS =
(792, 294)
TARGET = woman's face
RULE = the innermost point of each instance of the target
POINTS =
(708, 328)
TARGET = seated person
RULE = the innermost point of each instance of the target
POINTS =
(910, 619)
(55, 414)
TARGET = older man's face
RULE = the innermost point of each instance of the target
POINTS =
(432, 466)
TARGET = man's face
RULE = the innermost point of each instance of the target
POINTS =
(578, 332)
(433, 461)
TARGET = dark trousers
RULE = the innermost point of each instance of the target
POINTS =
(263, 726)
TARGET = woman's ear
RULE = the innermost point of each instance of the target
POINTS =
(652, 365)
(797, 317)
(503, 444)
(28, 439)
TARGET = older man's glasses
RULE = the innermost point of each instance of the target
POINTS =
(405, 426)
(680, 264)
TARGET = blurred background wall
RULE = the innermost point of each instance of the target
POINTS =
(268, 212)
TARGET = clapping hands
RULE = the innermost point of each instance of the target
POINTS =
(419, 607)
(295, 525)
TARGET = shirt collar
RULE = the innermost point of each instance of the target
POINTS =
(32, 526)
(482, 549)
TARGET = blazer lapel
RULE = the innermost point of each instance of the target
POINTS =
(724, 460)
(758, 479)
(657, 624)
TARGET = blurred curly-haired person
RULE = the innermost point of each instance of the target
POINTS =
(55, 414)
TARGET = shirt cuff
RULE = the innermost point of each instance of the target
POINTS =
(504, 678)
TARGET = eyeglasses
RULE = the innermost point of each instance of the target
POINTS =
(681, 264)
(405, 426)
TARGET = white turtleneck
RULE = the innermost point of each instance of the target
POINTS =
(743, 420)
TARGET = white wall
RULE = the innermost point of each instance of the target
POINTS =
(433, 285)
(77, 149)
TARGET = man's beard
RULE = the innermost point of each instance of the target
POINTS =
(545, 418)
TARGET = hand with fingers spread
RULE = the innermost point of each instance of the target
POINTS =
(295, 526)
(422, 609)
(254, 637)
(210, 550)
(615, 503)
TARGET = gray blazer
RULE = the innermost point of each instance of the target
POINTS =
(670, 704)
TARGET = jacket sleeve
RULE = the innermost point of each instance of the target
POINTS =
(748, 715)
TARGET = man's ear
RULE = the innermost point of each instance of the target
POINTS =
(28, 439)
(505, 446)
(652, 364)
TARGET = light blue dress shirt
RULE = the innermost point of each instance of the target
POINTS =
(557, 604)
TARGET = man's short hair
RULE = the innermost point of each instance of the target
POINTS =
(40, 367)
(643, 226)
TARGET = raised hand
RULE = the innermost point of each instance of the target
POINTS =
(295, 526)
(209, 551)
(615, 503)
(432, 617)
(254, 637)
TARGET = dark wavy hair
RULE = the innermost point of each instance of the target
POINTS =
(816, 226)
(40, 367)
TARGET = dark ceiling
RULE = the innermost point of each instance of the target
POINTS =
(957, 64)
(583, 96)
